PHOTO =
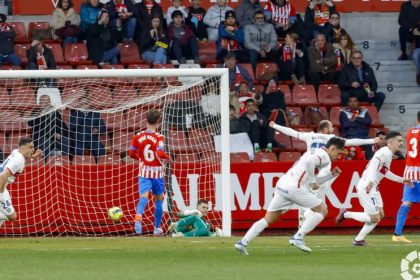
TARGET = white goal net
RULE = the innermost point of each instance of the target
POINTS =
(84, 121)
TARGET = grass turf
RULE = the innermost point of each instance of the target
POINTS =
(333, 257)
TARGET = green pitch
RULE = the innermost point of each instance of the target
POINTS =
(333, 257)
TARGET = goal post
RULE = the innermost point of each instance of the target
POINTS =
(69, 191)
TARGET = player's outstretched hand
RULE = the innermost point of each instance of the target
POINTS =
(271, 124)
(37, 153)
(408, 182)
(336, 171)
(314, 186)
(369, 187)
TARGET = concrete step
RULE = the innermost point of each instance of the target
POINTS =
(400, 117)
(392, 65)
(388, 77)
(402, 98)
(368, 44)
(380, 26)
(382, 55)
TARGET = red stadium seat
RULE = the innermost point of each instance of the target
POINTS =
(213, 157)
(124, 95)
(169, 80)
(207, 52)
(136, 119)
(323, 111)
(304, 95)
(109, 159)
(265, 71)
(58, 160)
(114, 121)
(289, 156)
(329, 95)
(4, 98)
(122, 141)
(11, 67)
(57, 52)
(373, 112)
(335, 116)
(86, 67)
(23, 98)
(20, 31)
(100, 97)
(20, 51)
(187, 158)
(299, 145)
(248, 67)
(114, 82)
(239, 158)
(84, 160)
(374, 130)
(137, 82)
(63, 82)
(37, 25)
(4, 146)
(178, 142)
(287, 94)
(283, 139)
(201, 140)
(336, 131)
(130, 54)
(214, 65)
(265, 157)
(151, 90)
(77, 54)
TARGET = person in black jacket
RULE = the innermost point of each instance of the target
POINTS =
(252, 123)
(123, 13)
(358, 79)
(154, 43)
(408, 19)
(103, 39)
(7, 36)
(195, 20)
(144, 13)
(317, 15)
(40, 57)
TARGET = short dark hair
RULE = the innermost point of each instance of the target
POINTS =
(230, 55)
(202, 201)
(257, 13)
(354, 96)
(338, 142)
(153, 116)
(25, 140)
(250, 100)
(379, 133)
(392, 134)
(177, 13)
(323, 124)
(232, 108)
(60, 4)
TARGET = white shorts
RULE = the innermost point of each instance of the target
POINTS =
(372, 201)
(284, 198)
(6, 206)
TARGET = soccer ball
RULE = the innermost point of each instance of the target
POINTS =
(115, 214)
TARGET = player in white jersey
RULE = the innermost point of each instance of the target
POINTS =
(294, 188)
(368, 188)
(9, 169)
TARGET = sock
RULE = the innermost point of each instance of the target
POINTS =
(256, 145)
(358, 216)
(158, 212)
(141, 205)
(401, 217)
(254, 231)
(366, 229)
(311, 221)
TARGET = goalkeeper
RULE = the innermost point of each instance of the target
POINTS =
(193, 223)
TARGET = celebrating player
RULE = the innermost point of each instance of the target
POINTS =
(147, 147)
(368, 188)
(9, 169)
(412, 171)
(293, 188)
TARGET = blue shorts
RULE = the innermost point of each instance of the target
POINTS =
(412, 194)
(157, 186)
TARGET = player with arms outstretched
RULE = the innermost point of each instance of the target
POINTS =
(9, 169)
(368, 188)
(294, 188)
(148, 147)
(412, 171)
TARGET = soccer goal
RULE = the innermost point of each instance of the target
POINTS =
(84, 121)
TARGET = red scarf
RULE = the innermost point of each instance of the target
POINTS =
(243, 97)
(322, 14)
(40, 61)
(289, 53)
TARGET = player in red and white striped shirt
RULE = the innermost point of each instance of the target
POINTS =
(148, 147)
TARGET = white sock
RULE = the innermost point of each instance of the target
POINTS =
(366, 229)
(254, 231)
(358, 216)
(311, 221)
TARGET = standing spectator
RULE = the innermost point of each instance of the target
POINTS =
(358, 79)
(355, 123)
(291, 60)
(346, 46)
(195, 20)
(122, 15)
(408, 20)
(416, 51)
(252, 123)
(246, 10)
(65, 22)
(89, 13)
(260, 40)
(183, 43)
(40, 57)
(213, 18)
(154, 44)
(282, 15)
(237, 73)
(231, 39)
(317, 15)
(103, 41)
(334, 29)
(146, 10)
(322, 61)
(7, 36)
(176, 6)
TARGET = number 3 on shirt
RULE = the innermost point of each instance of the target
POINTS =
(413, 150)
(149, 155)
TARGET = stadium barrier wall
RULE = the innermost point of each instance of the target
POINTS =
(72, 198)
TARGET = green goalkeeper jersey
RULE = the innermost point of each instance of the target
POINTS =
(193, 225)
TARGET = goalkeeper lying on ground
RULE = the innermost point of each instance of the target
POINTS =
(193, 223)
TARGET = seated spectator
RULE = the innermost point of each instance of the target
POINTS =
(252, 123)
(89, 13)
(146, 10)
(355, 122)
(273, 102)
(234, 123)
(246, 10)
(40, 58)
(154, 43)
(408, 20)
(195, 20)
(122, 15)
(260, 40)
(358, 79)
(242, 94)
(85, 129)
(346, 47)
(291, 61)
(352, 153)
(183, 43)
(382, 143)
(237, 73)
(334, 29)
(49, 132)
(103, 41)
(176, 6)
(65, 22)
(7, 36)
(322, 61)
(214, 17)
(231, 39)
(282, 15)
(317, 15)
(416, 51)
